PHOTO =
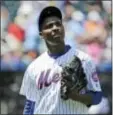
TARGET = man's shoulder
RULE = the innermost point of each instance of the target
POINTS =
(86, 59)
(79, 53)
(82, 55)
(38, 61)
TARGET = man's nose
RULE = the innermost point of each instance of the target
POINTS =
(55, 28)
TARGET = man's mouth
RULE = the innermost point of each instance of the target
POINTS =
(55, 40)
(56, 36)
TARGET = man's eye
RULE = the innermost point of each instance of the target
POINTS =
(49, 26)
(58, 24)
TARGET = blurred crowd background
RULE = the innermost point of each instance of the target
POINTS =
(88, 26)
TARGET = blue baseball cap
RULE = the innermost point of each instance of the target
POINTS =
(48, 12)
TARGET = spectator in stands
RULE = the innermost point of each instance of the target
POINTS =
(105, 64)
(69, 24)
(4, 23)
(94, 37)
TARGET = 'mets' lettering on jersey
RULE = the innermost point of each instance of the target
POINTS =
(45, 81)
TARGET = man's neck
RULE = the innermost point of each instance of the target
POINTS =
(56, 50)
(57, 54)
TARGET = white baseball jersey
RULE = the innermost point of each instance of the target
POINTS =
(41, 83)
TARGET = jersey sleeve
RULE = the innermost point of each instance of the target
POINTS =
(25, 83)
(28, 88)
(92, 76)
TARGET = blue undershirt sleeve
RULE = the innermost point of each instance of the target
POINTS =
(29, 107)
(96, 97)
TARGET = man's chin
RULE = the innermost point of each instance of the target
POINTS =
(54, 44)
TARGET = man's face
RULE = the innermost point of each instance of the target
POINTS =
(53, 31)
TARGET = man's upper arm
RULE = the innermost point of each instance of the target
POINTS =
(25, 83)
(93, 86)
(28, 89)
(92, 76)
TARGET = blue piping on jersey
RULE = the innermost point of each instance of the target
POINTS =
(29, 107)
(67, 47)
(96, 97)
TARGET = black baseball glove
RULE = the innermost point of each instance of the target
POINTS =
(73, 78)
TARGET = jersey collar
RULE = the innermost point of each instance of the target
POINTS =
(67, 48)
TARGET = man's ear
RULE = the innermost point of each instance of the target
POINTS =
(40, 33)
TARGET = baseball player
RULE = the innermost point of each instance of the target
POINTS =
(41, 84)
